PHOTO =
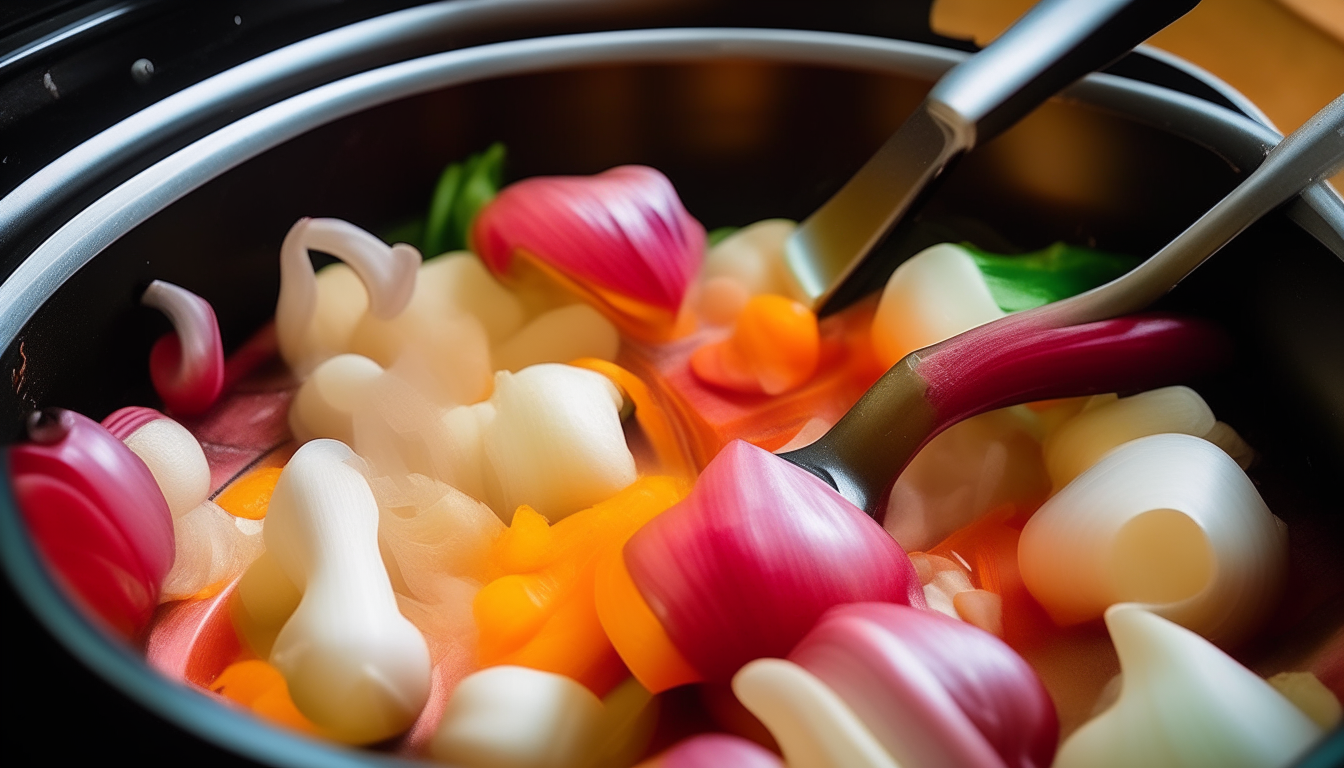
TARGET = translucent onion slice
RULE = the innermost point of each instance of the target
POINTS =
(354, 665)
(186, 366)
(442, 338)
(1108, 422)
(433, 532)
(974, 466)
(213, 547)
(935, 295)
(931, 690)
(713, 750)
(556, 442)
(172, 454)
(96, 514)
(1184, 702)
(743, 567)
(559, 336)
(387, 272)
(519, 718)
(1168, 520)
(327, 400)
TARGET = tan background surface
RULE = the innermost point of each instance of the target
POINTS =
(1287, 56)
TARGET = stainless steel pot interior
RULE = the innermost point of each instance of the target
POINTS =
(748, 125)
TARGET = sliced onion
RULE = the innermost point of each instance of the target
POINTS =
(96, 514)
(932, 690)
(213, 547)
(1168, 520)
(744, 566)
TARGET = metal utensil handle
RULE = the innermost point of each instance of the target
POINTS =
(1054, 44)
(1307, 155)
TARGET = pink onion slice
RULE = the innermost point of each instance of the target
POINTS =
(713, 750)
(624, 230)
(186, 366)
(745, 565)
(931, 689)
(96, 514)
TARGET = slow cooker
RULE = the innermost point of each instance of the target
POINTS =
(151, 140)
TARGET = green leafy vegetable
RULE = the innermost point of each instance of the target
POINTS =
(1057, 272)
(463, 189)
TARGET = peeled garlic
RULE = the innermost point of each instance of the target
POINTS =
(937, 294)
(310, 329)
(1167, 520)
(354, 665)
(173, 456)
(813, 727)
(1080, 441)
(515, 717)
(212, 546)
(1183, 702)
(556, 442)
(559, 336)
(461, 281)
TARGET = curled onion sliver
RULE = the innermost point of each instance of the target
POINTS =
(186, 366)
(743, 567)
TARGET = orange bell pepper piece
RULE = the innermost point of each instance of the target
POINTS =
(260, 687)
(539, 610)
(250, 495)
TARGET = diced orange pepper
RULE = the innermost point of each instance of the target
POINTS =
(261, 688)
(774, 348)
(711, 416)
(539, 609)
(250, 495)
(652, 419)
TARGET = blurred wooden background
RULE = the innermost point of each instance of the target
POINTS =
(1287, 56)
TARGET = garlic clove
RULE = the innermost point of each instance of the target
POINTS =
(935, 295)
(1167, 520)
(515, 717)
(559, 336)
(1183, 702)
(172, 454)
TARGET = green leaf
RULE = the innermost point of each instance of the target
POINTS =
(463, 190)
(1057, 272)
(716, 236)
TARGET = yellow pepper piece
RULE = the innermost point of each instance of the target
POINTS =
(539, 611)
(250, 495)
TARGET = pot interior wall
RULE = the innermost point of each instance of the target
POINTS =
(742, 141)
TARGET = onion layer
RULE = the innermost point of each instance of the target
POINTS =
(744, 566)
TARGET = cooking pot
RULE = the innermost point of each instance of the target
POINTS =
(748, 124)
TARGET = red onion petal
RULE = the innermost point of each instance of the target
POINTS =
(712, 750)
(933, 690)
(746, 564)
(97, 515)
(624, 230)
